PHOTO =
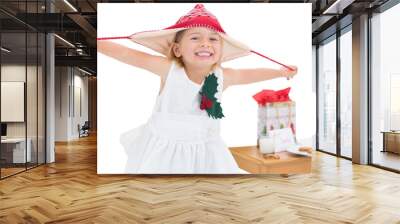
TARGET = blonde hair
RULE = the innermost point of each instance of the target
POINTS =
(171, 55)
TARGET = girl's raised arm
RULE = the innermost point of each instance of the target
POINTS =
(247, 76)
(156, 64)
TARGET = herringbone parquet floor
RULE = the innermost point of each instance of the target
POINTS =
(70, 191)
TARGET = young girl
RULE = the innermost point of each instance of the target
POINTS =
(183, 132)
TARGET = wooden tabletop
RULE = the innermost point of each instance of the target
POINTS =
(250, 159)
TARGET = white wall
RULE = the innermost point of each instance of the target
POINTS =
(81, 83)
(61, 103)
(17, 73)
(68, 81)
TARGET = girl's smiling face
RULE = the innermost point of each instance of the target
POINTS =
(199, 47)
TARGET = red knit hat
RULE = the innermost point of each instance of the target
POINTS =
(161, 40)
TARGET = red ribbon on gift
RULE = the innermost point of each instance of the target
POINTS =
(272, 96)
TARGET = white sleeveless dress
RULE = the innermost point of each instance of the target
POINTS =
(179, 137)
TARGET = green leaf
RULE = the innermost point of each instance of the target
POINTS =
(215, 111)
(209, 89)
(210, 85)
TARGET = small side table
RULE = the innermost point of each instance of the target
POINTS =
(391, 141)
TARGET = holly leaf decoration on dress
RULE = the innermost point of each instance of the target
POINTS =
(208, 101)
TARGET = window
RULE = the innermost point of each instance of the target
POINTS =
(394, 102)
(385, 89)
(22, 68)
(346, 93)
(327, 96)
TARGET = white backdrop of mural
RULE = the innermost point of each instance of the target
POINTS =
(126, 94)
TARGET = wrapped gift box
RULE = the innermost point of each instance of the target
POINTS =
(275, 111)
